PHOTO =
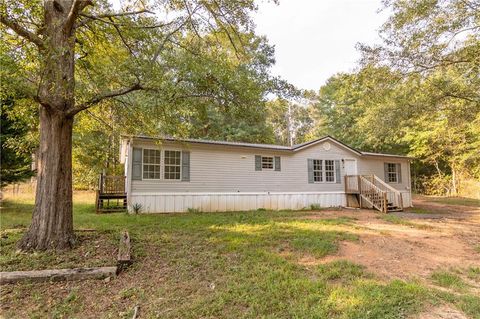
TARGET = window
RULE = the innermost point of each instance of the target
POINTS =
(329, 171)
(172, 164)
(151, 164)
(267, 162)
(392, 174)
(317, 171)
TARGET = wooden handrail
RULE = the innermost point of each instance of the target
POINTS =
(111, 184)
(373, 190)
(394, 194)
(373, 194)
(379, 181)
(372, 185)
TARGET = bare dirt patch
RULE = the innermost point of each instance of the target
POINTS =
(442, 312)
(446, 239)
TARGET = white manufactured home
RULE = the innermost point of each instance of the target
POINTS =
(166, 175)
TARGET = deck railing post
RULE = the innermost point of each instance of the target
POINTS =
(401, 200)
(359, 190)
(385, 202)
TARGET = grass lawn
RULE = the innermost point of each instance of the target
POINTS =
(211, 265)
(464, 201)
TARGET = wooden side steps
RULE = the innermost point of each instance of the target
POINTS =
(111, 196)
(109, 203)
(373, 191)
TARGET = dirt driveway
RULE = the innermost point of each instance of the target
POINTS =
(410, 244)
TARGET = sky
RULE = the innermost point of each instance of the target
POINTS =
(314, 39)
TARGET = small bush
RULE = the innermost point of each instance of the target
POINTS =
(193, 210)
(137, 208)
(315, 207)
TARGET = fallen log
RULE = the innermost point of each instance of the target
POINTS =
(124, 258)
(57, 274)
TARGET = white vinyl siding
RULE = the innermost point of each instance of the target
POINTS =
(375, 165)
(151, 163)
(231, 169)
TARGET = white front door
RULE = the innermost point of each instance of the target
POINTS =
(350, 166)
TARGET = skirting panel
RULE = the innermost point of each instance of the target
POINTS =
(224, 202)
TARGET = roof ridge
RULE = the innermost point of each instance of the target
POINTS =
(261, 145)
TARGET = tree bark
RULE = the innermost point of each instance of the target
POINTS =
(52, 221)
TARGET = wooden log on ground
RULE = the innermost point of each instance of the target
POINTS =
(124, 258)
(57, 274)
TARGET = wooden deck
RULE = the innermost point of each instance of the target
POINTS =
(371, 191)
(111, 194)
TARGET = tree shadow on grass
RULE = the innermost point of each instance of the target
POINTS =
(318, 238)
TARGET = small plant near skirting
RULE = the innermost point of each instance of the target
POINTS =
(315, 207)
(136, 208)
(193, 210)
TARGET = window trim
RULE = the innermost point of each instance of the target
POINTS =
(334, 172)
(394, 172)
(273, 162)
(163, 166)
(143, 164)
(324, 171)
(321, 170)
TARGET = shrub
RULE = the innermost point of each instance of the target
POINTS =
(137, 208)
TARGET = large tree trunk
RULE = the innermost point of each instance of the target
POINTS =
(52, 222)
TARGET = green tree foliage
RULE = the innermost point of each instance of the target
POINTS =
(212, 93)
(417, 93)
(291, 122)
(18, 123)
(17, 145)
(191, 77)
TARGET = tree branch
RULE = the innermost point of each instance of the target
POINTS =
(119, 14)
(23, 32)
(77, 7)
(101, 97)
(100, 17)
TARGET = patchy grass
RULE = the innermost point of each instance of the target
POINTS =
(464, 201)
(400, 221)
(448, 280)
(419, 210)
(473, 273)
(208, 265)
(477, 248)
(93, 249)
(342, 270)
